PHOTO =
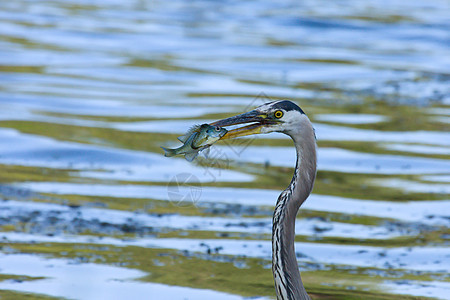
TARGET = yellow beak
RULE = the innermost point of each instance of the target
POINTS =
(258, 120)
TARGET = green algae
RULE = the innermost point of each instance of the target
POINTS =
(400, 118)
(218, 272)
(389, 19)
(146, 205)
(346, 185)
(18, 277)
(166, 64)
(426, 238)
(16, 173)
(376, 148)
(13, 295)
(359, 186)
(93, 135)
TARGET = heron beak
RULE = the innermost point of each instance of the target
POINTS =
(255, 120)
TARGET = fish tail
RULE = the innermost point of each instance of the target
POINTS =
(169, 152)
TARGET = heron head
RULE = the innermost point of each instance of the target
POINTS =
(278, 116)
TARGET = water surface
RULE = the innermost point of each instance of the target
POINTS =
(90, 90)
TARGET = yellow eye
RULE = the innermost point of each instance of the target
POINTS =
(278, 114)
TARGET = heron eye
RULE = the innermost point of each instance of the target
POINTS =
(217, 128)
(278, 114)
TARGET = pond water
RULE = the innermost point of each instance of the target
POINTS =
(89, 91)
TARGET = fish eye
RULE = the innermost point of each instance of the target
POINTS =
(278, 114)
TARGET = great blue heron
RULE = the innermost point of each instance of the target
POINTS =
(286, 117)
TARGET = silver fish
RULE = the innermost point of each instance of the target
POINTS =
(198, 138)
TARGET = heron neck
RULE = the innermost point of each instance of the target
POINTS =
(305, 170)
(284, 262)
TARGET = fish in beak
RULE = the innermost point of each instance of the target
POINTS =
(257, 122)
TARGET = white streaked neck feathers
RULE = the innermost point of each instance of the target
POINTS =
(287, 277)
